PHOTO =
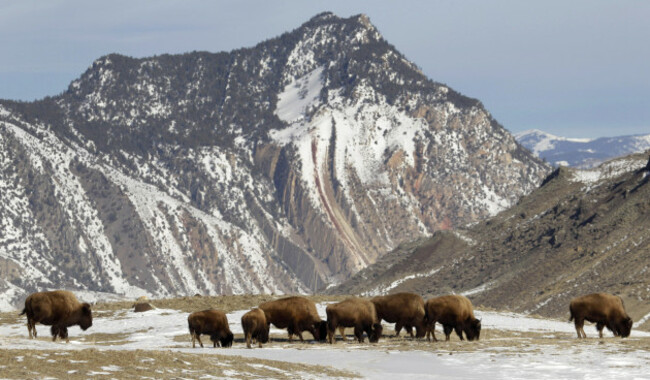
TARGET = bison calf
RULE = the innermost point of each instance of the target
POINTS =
(210, 322)
(59, 309)
(605, 310)
(403, 309)
(296, 314)
(454, 312)
(354, 312)
(255, 327)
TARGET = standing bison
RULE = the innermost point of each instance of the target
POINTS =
(454, 312)
(296, 314)
(255, 327)
(210, 322)
(404, 309)
(59, 309)
(354, 312)
(605, 310)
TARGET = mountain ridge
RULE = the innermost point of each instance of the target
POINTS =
(582, 153)
(582, 231)
(284, 167)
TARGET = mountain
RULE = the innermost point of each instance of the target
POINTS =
(581, 232)
(285, 167)
(581, 153)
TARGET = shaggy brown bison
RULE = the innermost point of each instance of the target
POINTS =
(255, 327)
(210, 322)
(605, 310)
(59, 309)
(404, 309)
(354, 312)
(454, 312)
(296, 314)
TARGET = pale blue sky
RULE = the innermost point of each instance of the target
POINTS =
(572, 68)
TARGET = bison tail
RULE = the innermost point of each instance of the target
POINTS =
(23, 312)
(571, 312)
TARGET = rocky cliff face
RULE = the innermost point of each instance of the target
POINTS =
(285, 167)
(582, 231)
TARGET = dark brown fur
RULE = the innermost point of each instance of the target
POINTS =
(404, 309)
(454, 312)
(354, 312)
(59, 309)
(210, 322)
(605, 310)
(255, 327)
(296, 314)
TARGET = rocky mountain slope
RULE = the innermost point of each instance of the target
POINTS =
(582, 231)
(581, 153)
(285, 167)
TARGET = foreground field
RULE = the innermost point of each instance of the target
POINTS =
(156, 344)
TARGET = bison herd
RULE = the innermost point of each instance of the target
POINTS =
(60, 309)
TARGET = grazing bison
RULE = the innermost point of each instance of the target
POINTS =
(454, 312)
(605, 310)
(403, 309)
(354, 312)
(296, 314)
(255, 327)
(59, 309)
(210, 322)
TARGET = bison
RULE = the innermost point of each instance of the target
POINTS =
(354, 312)
(59, 309)
(210, 322)
(255, 327)
(454, 312)
(605, 310)
(296, 314)
(404, 309)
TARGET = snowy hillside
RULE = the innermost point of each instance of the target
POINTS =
(581, 153)
(285, 167)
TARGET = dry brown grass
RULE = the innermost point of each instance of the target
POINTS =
(189, 304)
(139, 364)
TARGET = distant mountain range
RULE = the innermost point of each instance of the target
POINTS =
(581, 153)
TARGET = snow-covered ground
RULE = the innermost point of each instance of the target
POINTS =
(513, 346)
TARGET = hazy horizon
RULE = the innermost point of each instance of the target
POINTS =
(576, 69)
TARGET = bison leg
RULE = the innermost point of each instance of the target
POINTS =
(358, 332)
(198, 337)
(459, 332)
(63, 334)
(342, 333)
(248, 339)
(54, 330)
(431, 331)
(409, 329)
(31, 328)
(579, 323)
(600, 326)
(447, 330)
(330, 334)
(398, 329)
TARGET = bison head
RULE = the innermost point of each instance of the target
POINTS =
(226, 341)
(473, 330)
(624, 327)
(321, 330)
(86, 318)
(377, 329)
